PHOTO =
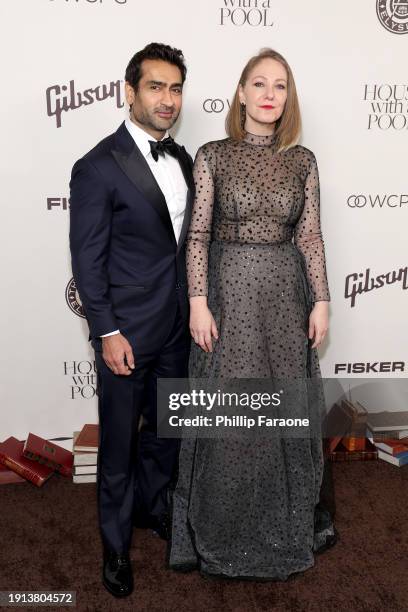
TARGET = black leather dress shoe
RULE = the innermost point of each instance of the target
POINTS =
(117, 574)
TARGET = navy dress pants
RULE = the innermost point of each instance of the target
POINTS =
(135, 467)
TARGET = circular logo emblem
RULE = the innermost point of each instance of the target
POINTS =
(356, 201)
(214, 105)
(393, 14)
(73, 299)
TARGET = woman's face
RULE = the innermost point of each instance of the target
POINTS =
(264, 95)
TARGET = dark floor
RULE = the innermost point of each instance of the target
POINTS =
(49, 540)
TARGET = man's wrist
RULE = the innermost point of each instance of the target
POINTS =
(113, 333)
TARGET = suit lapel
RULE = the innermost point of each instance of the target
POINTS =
(136, 168)
(186, 167)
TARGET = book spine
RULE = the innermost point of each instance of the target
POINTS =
(48, 462)
(379, 436)
(24, 472)
(353, 456)
(43, 460)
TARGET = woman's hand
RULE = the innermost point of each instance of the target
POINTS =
(202, 324)
(319, 323)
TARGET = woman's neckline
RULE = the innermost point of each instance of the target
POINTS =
(259, 141)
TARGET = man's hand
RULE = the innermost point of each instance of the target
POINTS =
(114, 351)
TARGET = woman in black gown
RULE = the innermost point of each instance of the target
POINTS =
(258, 290)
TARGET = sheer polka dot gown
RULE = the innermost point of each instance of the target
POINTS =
(246, 507)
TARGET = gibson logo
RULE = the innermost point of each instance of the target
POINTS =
(358, 283)
(393, 15)
(62, 98)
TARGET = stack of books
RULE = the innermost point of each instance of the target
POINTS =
(388, 431)
(346, 427)
(35, 460)
(85, 451)
(353, 433)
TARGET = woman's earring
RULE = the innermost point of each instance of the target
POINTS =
(243, 113)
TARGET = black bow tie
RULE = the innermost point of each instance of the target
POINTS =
(160, 147)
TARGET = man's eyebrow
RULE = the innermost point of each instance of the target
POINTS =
(161, 83)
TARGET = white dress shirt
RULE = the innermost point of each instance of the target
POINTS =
(169, 176)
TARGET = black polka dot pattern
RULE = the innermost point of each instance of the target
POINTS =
(249, 194)
(245, 507)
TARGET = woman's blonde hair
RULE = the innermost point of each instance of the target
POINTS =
(288, 126)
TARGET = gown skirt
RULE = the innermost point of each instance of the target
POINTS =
(248, 506)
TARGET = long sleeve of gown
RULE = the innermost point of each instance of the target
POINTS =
(199, 234)
(308, 236)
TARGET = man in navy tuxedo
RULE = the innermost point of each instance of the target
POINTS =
(131, 199)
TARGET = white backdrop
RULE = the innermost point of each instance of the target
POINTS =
(352, 82)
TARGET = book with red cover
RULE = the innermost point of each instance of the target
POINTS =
(393, 447)
(88, 438)
(11, 455)
(48, 453)
(341, 453)
(7, 476)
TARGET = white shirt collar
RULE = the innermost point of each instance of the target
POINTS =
(141, 137)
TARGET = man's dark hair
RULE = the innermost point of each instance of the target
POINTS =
(154, 51)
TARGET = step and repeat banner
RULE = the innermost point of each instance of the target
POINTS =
(62, 92)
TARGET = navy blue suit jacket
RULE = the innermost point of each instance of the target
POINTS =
(128, 268)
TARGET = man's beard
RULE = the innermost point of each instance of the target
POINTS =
(152, 121)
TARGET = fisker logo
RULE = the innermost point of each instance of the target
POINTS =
(215, 105)
(393, 15)
(73, 299)
(61, 203)
(374, 367)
